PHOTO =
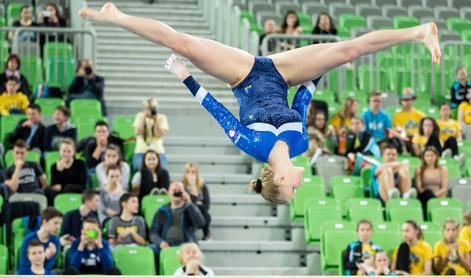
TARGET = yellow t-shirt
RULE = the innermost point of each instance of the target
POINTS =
(448, 129)
(336, 122)
(409, 121)
(420, 140)
(466, 107)
(441, 250)
(151, 142)
(17, 101)
(419, 254)
(465, 234)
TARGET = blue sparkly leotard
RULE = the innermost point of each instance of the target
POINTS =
(265, 116)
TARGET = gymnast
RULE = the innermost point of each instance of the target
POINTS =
(267, 129)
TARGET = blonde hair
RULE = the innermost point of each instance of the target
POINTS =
(189, 245)
(151, 103)
(467, 218)
(269, 191)
(199, 180)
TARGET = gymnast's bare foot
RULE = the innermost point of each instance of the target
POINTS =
(108, 13)
(430, 40)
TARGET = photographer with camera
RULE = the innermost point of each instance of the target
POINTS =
(87, 84)
(149, 128)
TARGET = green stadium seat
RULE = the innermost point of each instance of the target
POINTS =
(414, 163)
(85, 125)
(4, 51)
(32, 68)
(303, 193)
(466, 35)
(336, 235)
(7, 126)
(48, 105)
(129, 147)
(318, 211)
(387, 235)
(305, 22)
(30, 156)
(343, 32)
(400, 210)
(365, 175)
(94, 183)
(134, 260)
(349, 21)
(440, 209)
(368, 79)
(344, 188)
(362, 208)
(60, 72)
(49, 159)
(61, 50)
(85, 107)
(458, 25)
(303, 161)
(324, 95)
(432, 232)
(123, 125)
(453, 168)
(3, 260)
(150, 205)
(66, 202)
(356, 94)
(291, 93)
(405, 22)
(168, 254)
(313, 180)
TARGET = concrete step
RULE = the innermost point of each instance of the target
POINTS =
(259, 271)
(227, 189)
(230, 150)
(218, 168)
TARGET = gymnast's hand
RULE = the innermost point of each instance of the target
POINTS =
(176, 66)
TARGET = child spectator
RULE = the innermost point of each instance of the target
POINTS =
(464, 110)
(191, 260)
(380, 265)
(359, 140)
(31, 130)
(151, 176)
(110, 194)
(342, 121)
(113, 157)
(13, 67)
(450, 130)
(465, 230)
(94, 148)
(128, 227)
(12, 101)
(36, 254)
(460, 87)
(60, 130)
(428, 135)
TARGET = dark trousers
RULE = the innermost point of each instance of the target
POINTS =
(207, 218)
(403, 258)
(424, 197)
(73, 271)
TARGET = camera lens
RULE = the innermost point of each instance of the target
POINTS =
(88, 71)
(177, 194)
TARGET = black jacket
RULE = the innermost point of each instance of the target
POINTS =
(95, 85)
(21, 132)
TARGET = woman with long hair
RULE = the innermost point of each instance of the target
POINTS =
(151, 176)
(427, 136)
(113, 157)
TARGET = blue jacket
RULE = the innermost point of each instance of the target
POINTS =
(91, 261)
(25, 264)
(458, 93)
(354, 255)
(377, 124)
(30, 272)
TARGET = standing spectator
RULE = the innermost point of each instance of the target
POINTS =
(110, 194)
(324, 26)
(149, 127)
(73, 219)
(12, 68)
(451, 255)
(90, 253)
(269, 28)
(26, 20)
(31, 130)
(151, 176)
(376, 120)
(199, 194)
(464, 110)
(113, 157)
(342, 121)
(428, 135)
(360, 251)
(24, 176)
(87, 84)
(128, 227)
(51, 17)
(290, 26)
(191, 260)
(36, 255)
(12, 101)
(450, 130)
(465, 231)
(431, 178)
(46, 235)
(68, 175)
(460, 87)
(414, 255)
(60, 130)
(94, 148)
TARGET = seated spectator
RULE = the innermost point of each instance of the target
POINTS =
(26, 20)
(191, 260)
(90, 253)
(128, 227)
(36, 256)
(414, 255)
(319, 133)
(149, 127)
(290, 26)
(269, 28)
(431, 178)
(68, 175)
(87, 84)
(451, 256)
(12, 68)
(427, 136)
(360, 251)
(175, 223)
(110, 194)
(31, 130)
(50, 17)
(342, 120)
(199, 194)
(380, 266)
(406, 122)
(73, 219)
(151, 176)
(12, 101)
(46, 235)
(392, 178)
(465, 230)
(324, 26)
(24, 176)
(460, 88)
(464, 110)
(113, 157)
(359, 140)
(450, 130)
(60, 130)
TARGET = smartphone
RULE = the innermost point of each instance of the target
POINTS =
(91, 234)
(46, 13)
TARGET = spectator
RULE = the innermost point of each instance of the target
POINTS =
(87, 84)
(450, 130)
(451, 256)
(175, 223)
(90, 253)
(414, 255)
(113, 157)
(149, 127)
(324, 26)
(269, 28)
(24, 176)
(460, 88)
(26, 20)
(128, 227)
(290, 26)
(191, 260)
(360, 251)
(341, 121)
(60, 130)
(318, 132)
(465, 230)
(73, 219)
(110, 194)
(431, 178)
(94, 147)
(377, 121)
(392, 179)
(36, 255)
(427, 136)
(151, 176)
(51, 17)
(464, 110)
(31, 130)
(12, 101)
(46, 235)
(359, 140)
(68, 175)
(12, 68)
(380, 266)
(199, 194)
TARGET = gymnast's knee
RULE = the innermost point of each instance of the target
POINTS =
(351, 50)
(182, 44)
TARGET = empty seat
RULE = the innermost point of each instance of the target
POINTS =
(409, 3)
(387, 235)
(85, 107)
(48, 105)
(266, 15)
(390, 11)
(60, 72)
(378, 22)
(436, 3)
(381, 3)
(400, 210)
(313, 8)
(134, 260)
(405, 21)
(449, 36)
(462, 192)
(446, 12)
(440, 209)
(7, 126)
(366, 10)
(335, 237)
(458, 25)
(258, 6)
(283, 7)
(330, 166)
(420, 12)
(344, 188)
(318, 211)
(337, 9)
(66, 202)
(458, 4)
(304, 193)
(350, 21)
(432, 232)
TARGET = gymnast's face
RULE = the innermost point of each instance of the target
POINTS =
(290, 180)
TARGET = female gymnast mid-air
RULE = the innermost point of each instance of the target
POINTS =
(267, 128)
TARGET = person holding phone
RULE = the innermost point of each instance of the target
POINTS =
(51, 17)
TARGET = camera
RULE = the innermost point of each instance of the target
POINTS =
(91, 234)
(153, 111)
(88, 70)
(177, 194)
